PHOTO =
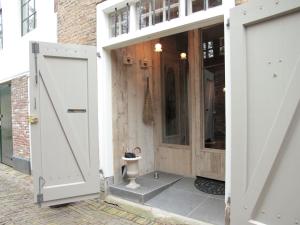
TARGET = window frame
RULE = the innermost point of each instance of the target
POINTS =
(25, 3)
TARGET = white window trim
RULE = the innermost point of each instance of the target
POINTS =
(182, 23)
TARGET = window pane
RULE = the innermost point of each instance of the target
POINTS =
(28, 16)
(124, 20)
(114, 24)
(143, 13)
(158, 6)
(31, 23)
(31, 7)
(25, 11)
(174, 9)
(197, 5)
(213, 3)
(175, 89)
(25, 26)
(119, 22)
(170, 102)
(214, 83)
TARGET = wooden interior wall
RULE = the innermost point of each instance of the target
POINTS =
(129, 85)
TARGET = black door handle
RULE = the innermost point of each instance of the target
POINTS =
(76, 110)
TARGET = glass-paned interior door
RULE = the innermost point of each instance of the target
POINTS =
(213, 87)
(174, 69)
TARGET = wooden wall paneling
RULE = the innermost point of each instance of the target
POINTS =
(212, 164)
(120, 106)
(175, 160)
(156, 84)
(132, 72)
(129, 131)
(195, 64)
(144, 133)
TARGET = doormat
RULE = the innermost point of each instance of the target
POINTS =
(209, 186)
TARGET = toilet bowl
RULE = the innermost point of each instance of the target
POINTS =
(132, 171)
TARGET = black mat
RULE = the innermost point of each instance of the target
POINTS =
(210, 186)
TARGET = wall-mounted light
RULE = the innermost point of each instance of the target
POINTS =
(183, 55)
(158, 47)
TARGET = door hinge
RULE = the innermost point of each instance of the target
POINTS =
(35, 51)
(228, 23)
(35, 48)
(33, 119)
(40, 196)
(34, 103)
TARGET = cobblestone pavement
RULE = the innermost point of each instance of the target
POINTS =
(16, 207)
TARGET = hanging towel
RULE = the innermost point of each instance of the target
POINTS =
(148, 110)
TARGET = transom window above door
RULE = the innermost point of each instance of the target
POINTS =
(28, 15)
(133, 15)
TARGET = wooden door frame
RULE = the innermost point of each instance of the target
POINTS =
(200, 149)
(180, 151)
(191, 154)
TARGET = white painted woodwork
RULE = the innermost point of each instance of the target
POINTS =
(64, 143)
(228, 5)
(265, 122)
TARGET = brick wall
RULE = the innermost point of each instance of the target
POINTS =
(20, 112)
(77, 21)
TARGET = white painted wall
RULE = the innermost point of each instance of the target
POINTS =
(14, 57)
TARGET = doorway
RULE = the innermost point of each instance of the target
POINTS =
(190, 102)
(176, 138)
(6, 125)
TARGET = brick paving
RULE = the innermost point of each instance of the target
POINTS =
(17, 207)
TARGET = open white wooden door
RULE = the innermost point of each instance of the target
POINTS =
(265, 66)
(63, 107)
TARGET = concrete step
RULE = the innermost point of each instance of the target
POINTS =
(150, 187)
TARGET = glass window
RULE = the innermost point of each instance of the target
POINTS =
(1, 30)
(28, 16)
(119, 21)
(174, 69)
(143, 12)
(151, 12)
(214, 83)
(158, 15)
(214, 3)
(172, 8)
(199, 5)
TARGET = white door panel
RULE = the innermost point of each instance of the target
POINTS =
(64, 140)
(265, 66)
